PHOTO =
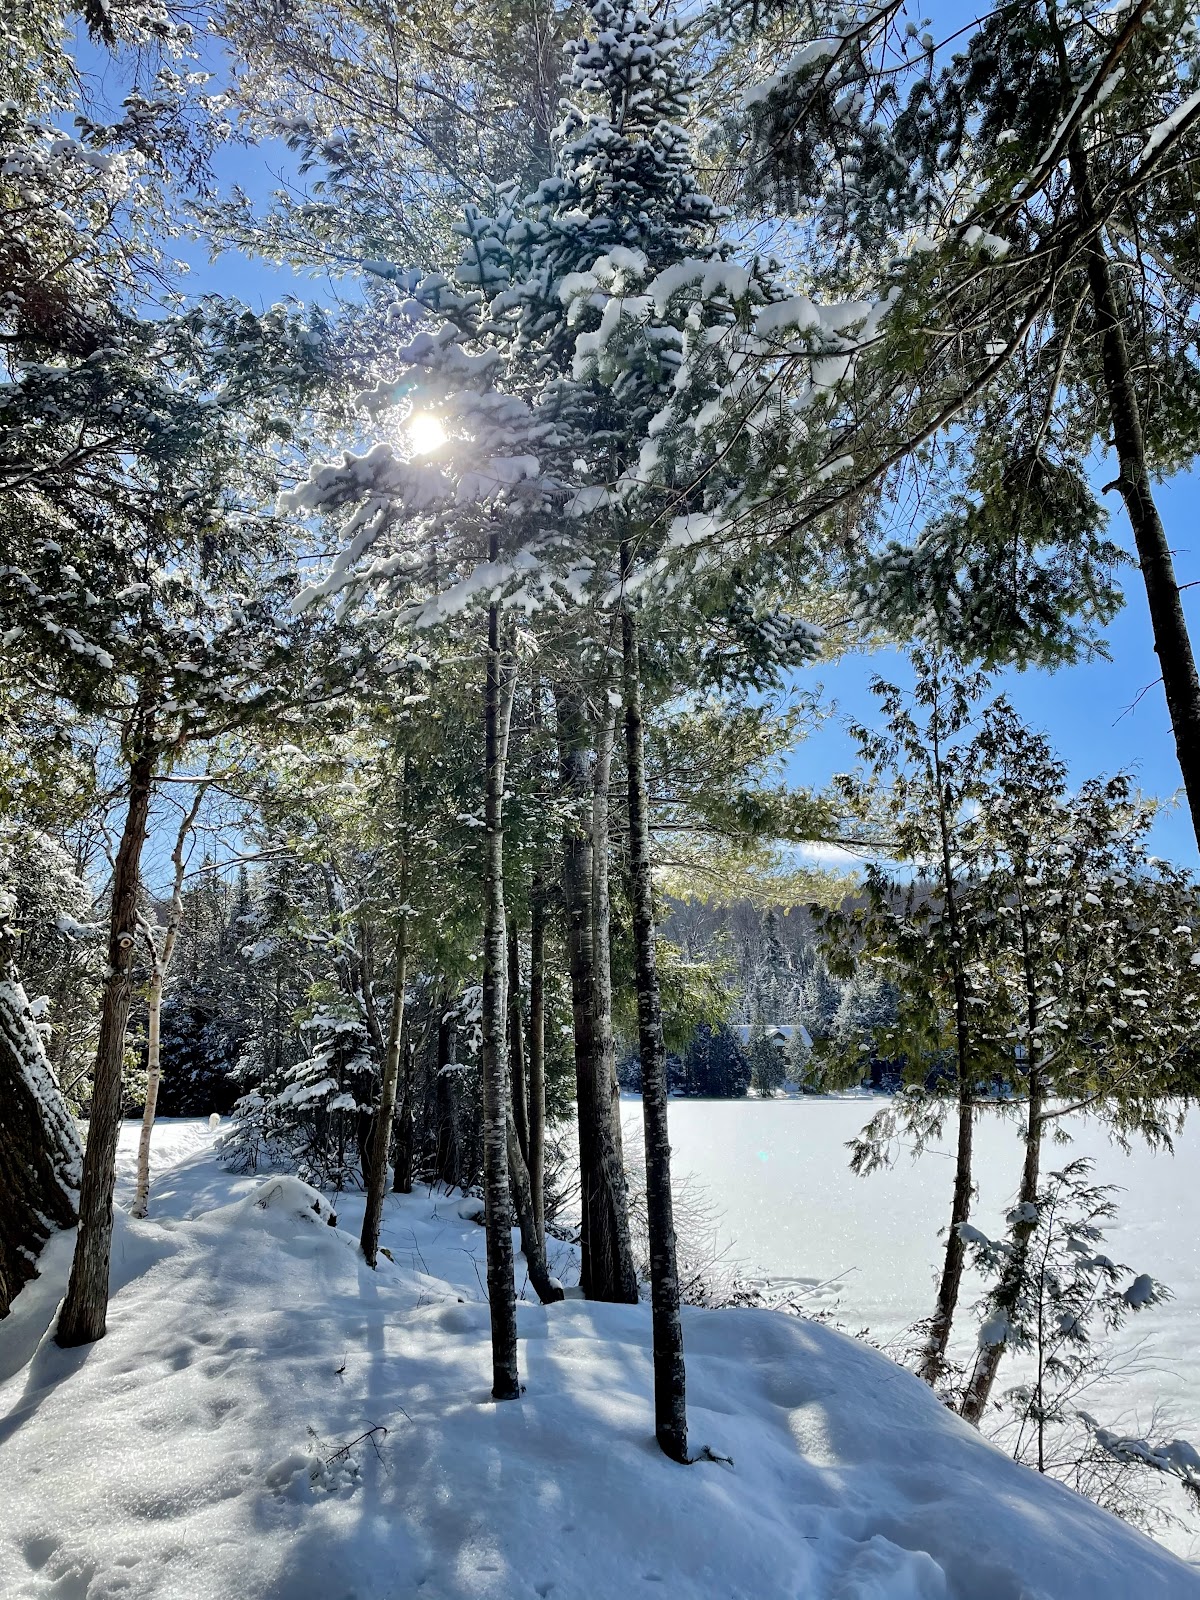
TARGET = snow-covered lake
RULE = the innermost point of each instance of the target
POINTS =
(776, 1172)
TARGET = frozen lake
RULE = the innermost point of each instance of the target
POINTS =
(776, 1172)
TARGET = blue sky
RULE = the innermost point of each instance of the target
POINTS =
(1102, 716)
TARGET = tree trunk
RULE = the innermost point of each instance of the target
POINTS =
(40, 1154)
(375, 1173)
(607, 1271)
(537, 1055)
(498, 699)
(516, 1042)
(85, 1309)
(576, 889)
(670, 1408)
(141, 1194)
(402, 1181)
(161, 966)
(449, 1165)
(533, 1245)
(934, 1356)
(987, 1363)
(620, 1269)
(1172, 642)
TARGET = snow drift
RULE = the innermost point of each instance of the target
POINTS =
(227, 1438)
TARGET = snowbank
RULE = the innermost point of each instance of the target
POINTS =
(212, 1444)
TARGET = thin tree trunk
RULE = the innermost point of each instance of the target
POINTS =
(1172, 642)
(537, 1055)
(516, 1042)
(608, 1091)
(141, 1194)
(375, 1175)
(934, 1356)
(402, 1181)
(449, 1166)
(670, 1400)
(85, 1310)
(498, 699)
(576, 889)
(608, 1271)
(161, 960)
(987, 1363)
(533, 1244)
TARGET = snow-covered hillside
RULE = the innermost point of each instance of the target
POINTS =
(213, 1444)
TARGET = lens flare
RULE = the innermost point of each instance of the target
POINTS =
(425, 433)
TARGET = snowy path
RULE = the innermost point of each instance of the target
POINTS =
(191, 1455)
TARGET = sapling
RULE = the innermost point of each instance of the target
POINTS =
(1060, 1312)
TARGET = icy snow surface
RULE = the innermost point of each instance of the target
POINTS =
(793, 1217)
(194, 1452)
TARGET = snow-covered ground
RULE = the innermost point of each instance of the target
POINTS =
(868, 1249)
(211, 1445)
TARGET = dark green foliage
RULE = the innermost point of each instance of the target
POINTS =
(766, 1060)
(714, 1065)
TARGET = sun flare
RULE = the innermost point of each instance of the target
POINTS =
(425, 433)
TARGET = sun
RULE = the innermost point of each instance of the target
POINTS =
(425, 433)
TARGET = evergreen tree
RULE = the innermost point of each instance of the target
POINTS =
(715, 1065)
(1022, 955)
(768, 1067)
(1028, 207)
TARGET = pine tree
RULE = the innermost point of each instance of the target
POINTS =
(1039, 982)
(1027, 212)
(766, 1062)
(927, 936)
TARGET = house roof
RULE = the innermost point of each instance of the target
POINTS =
(777, 1032)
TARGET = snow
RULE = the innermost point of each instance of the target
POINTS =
(808, 56)
(1167, 127)
(227, 1436)
(868, 1250)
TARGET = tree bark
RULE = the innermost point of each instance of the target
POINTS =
(1172, 642)
(161, 963)
(516, 1042)
(934, 1356)
(533, 1244)
(375, 1175)
(670, 1399)
(449, 1165)
(141, 1193)
(607, 1270)
(402, 1180)
(620, 1268)
(498, 698)
(85, 1310)
(537, 1055)
(987, 1363)
(576, 889)
(40, 1154)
